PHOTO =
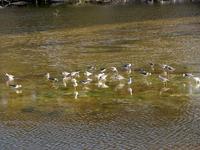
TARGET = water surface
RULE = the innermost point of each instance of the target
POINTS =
(34, 41)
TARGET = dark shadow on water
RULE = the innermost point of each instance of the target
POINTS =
(33, 19)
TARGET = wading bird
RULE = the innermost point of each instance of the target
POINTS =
(163, 79)
(10, 77)
(51, 78)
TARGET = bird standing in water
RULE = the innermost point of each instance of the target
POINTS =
(188, 75)
(114, 70)
(15, 86)
(167, 69)
(145, 73)
(163, 79)
(10, 77)
(51, 78)
(127, 67)
(87, 73)
(152, 65)
(196, 79)
(103, 70)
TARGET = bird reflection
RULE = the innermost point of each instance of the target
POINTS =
(130, 90)
(86, 88)
(120, 77)
(119, 86)
(148, 83)
(102, 84)
(163, 90)
(54, 85)
(197, 86)
(76, 94)
(18, 91)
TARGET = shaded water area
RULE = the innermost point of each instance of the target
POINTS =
(34, 41)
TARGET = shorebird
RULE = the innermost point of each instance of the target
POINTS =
(102, 84)
(15, 86)
(188, 75)
(87, 81)
(65, 74)
(102, 70)
(163, 79)
(145, 73)
(196, 79)
(87, 73)
(127, 67)
(10, 77)
(51, 78)
(114, 69)
(103, 77)
(100, 76)
(152, 65)
(91, 68)
(168, 68)
(75, 74)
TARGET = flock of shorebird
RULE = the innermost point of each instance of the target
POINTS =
(103, 75)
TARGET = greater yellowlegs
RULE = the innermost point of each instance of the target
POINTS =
(103, 70)
(87, 81)
(15, 86)
(152, 65)
(87, 73)
(102, 84)
(65, 74)
(51, 78)
(101, 76)
(196, 79)
(114, 69)
(10, 77)
(145, 73)
(188, 75)
(163, 79)
(127, 67)
(75, 74)
(168, 68)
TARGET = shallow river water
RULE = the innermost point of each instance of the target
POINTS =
(45, 115)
